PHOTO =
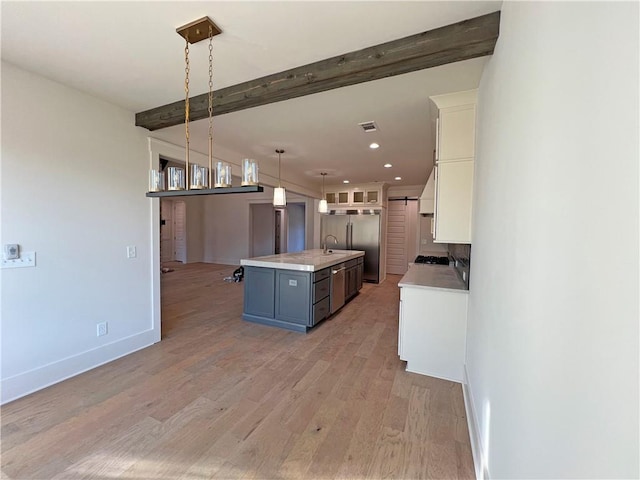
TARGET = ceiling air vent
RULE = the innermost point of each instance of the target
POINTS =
(368, 126)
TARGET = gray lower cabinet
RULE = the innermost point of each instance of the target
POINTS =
(293, 299)
(259, 285)
(286, 298)
(351, 278)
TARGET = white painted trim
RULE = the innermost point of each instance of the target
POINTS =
(430, 374)
(472, 424)
(448, 100)
(154, 209)
(33, 380)
(223, 261)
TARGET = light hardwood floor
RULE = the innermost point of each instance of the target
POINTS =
(223, 398)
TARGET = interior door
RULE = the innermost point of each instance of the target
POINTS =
(278, 232)
(166, 230)
(401, 235)
(179, 231)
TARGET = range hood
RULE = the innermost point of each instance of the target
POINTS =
(428, 195)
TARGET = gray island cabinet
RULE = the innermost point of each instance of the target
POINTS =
(294, 291)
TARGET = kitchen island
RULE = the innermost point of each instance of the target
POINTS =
(433, 321)
(298, 290)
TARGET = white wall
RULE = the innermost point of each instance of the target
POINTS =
(74, 174)
(552, 345)
(296, 227)
(194, 228)
(261, 229)
(226, 225)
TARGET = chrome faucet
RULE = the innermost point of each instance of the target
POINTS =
(324, 247)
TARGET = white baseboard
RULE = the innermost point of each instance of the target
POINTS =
(472, 423)
(223, 261)
(432, 374)
(33, 380)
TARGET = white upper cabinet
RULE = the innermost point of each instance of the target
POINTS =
(457, 133)
(454, 201)
(369, 195)
(455, 156)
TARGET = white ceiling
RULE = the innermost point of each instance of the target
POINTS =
(129, 54)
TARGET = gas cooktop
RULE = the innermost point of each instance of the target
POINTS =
(432, 260)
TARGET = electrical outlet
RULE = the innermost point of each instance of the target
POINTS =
(102, 329)
(424, 241)
(131, 251)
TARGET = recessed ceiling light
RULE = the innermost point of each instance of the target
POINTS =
(387, 165)
(398, 178)
(374, 145)
(345, 181)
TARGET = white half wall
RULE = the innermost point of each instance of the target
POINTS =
(552, 345)
(74, 175)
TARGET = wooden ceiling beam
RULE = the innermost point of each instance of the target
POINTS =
(471, 38)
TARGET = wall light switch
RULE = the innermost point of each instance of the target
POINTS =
(27, 259)
(131, 251)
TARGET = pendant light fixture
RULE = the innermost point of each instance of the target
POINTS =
(195, 179)
(322, 206)
(279, 195)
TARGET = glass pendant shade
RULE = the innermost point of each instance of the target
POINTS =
(199, 177)
(323, 207)
(249, 172)
(156, 181)
(279, 197)
(176, 178)
(222, 175)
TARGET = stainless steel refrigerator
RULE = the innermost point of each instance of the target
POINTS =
(356, 230)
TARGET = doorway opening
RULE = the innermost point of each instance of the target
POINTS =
(173, 247)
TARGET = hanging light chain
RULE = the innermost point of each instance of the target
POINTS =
(210, 80)
(186, 110)
(210, 105)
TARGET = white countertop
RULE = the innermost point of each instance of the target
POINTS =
(305, 261)
(441, 277)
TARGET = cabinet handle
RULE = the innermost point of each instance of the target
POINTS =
(337, 271)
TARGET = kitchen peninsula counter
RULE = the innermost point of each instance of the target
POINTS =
(304, 261)
(433, 321)
(442, 277)
(298, 290)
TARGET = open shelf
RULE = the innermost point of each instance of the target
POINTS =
(208, 191)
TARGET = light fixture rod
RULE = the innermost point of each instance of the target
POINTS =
(279, 152)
